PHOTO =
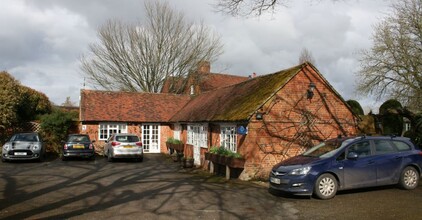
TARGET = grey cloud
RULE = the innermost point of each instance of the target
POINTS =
(45, 38)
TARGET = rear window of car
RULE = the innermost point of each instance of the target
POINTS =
(128, 138)
(78, 138)
(401, 146)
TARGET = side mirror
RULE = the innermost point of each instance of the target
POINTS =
(352, 156)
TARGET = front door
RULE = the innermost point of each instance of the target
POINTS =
(197, 136)
(151, 138)
(196, 145)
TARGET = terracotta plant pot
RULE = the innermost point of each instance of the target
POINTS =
(188, 163)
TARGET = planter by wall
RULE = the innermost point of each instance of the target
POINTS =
(237, 163)
(177, 147)
(225, 160)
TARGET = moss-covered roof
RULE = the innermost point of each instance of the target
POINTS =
(237, 102)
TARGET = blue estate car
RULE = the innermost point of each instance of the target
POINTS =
(349, 163)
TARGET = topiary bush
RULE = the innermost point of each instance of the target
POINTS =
(355, 106)
(392, 123)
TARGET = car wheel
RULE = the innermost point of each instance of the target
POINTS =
(3, 160)
(64, 158)
(325, 186)
(109, 158)
(140, 159)
(409, 178)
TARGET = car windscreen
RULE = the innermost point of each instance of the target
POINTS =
(78, 138)
(127, 138)
(25, 137)
(325, 149)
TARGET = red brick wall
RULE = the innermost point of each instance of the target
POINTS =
(291, 123)
(92, 130)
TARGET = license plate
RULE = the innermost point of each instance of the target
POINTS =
(20, 153)
(275, 180)
(78, 146)
(128, 146)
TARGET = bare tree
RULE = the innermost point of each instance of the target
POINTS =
(250, 7)
(306, 56)
(247, 7)
(392, 68)
(140, 57)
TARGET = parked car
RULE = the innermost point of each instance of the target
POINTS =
(78, 145)
(23, 146)
(124, 146)
(349, 163)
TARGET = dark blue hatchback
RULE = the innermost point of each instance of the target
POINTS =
(349, 163)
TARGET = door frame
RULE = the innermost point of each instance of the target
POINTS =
(158, 150)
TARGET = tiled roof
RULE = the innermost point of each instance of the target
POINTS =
(129, 106)
(237, 102)
(213, 81)
(210, 81)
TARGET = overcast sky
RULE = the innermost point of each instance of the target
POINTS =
(41, 41)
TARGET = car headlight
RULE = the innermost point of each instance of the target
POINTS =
(6, 147)
(300, 171)
(35, 147)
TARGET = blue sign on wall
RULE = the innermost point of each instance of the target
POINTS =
(242, 130)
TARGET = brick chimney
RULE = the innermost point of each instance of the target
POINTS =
(204, 67)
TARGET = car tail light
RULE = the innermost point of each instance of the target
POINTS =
(90, 146)
(65, 147)
(115, 143)
(139, 144)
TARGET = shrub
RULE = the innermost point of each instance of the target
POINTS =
(54, 129)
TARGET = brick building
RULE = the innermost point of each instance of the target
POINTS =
(266, 119)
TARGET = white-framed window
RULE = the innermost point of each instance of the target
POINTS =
(107, 129)
(228, 137)
(198, 135)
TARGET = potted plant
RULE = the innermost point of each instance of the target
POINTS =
(223, 155)
(175, 144)
(187, 162)
(212, 154)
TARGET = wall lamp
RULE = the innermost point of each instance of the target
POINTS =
(310, 92)
(259, 115)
